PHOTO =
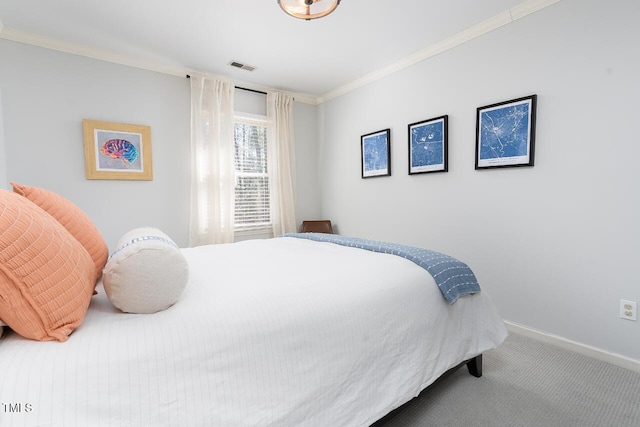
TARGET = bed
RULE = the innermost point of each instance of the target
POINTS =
(287, 331)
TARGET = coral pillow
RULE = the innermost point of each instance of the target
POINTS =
(146, 273)
(72, 218)
(46, 276)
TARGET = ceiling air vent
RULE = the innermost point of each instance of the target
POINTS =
(242, 66)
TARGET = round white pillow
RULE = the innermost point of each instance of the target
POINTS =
(146, 273)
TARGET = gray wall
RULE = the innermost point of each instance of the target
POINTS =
(308, 174)
(45, 96)
(556, 245)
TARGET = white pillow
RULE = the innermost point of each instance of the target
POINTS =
(146, 273)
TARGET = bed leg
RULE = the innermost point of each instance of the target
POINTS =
(475, 366)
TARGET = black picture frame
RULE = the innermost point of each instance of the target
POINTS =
(375, 151)
(505, 133)
(428, 145)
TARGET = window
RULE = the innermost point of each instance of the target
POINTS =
(252, 209)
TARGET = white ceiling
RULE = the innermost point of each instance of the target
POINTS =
(306, 57)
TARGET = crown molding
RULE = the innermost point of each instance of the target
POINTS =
(82, 50)
(108, 56)
(528, 7)
(517, 12)
(507, 17)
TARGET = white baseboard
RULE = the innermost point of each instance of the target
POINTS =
(596, 353)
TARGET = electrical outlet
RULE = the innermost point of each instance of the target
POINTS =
(628, 309)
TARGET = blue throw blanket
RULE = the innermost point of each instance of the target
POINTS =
(453, 277)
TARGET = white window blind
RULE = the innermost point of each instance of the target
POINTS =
(252, 210)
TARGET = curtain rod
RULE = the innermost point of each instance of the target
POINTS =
(243, 88)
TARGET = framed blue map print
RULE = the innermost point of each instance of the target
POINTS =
(505, 133)
(376, 153)
(428, 146)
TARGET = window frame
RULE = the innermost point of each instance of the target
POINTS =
(256, 229)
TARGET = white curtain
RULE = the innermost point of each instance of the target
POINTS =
(281, 163)
(212, 162)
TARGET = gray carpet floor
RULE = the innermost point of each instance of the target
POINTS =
(528, 383)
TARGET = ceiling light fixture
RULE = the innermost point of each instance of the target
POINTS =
(308, 9)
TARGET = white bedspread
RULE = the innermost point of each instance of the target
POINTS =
(279, 332)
